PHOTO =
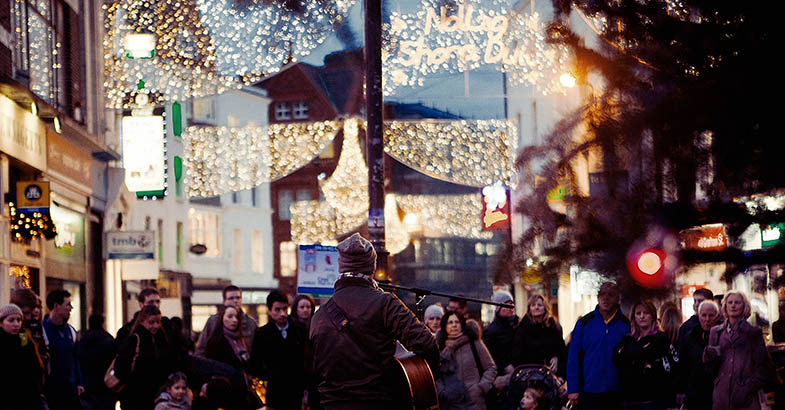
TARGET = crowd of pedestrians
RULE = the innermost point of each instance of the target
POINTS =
(647, 360)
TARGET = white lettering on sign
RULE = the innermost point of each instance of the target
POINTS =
(494, 50)
(771, 234)
(712, 241)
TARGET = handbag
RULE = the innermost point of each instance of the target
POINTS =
(110, 380)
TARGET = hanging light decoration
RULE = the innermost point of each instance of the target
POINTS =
(473, 153)
(396, 237)
(226, 159)
(346, 189)
(464, 35)
(446, 215)
(182, 63)
(257, 37)
(28, 225)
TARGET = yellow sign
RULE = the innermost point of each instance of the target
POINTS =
(531, 276)
(32, 196)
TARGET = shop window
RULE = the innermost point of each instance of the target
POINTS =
(300, 109)
(283, 111)
(288, 258)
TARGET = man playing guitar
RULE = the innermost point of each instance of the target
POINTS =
(353, 336)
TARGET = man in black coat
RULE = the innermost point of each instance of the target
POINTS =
(277, 355)
(96, 352)
(353, 336)
(498, 337)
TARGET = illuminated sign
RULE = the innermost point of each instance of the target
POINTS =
(143, 153)
(771, 235)
(705, 238)
(130, 245)
(32, 196)
(466, 35)
(495, 207)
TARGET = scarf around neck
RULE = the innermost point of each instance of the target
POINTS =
(237, 342)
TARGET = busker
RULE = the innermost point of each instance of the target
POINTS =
(354, 333)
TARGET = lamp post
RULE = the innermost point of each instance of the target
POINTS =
(374, 132)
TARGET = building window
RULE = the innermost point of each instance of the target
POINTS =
(235, 197)
(288, 257)
(205, 229)
(303, 194)
(237, 249)
(256, 252)
(161, 242)
(38, 28)
(180, 239)
(204, 109)
(285, 200)
(300, 110)
(253, 197)
(283, 111)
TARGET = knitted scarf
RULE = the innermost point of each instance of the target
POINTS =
(237, 342)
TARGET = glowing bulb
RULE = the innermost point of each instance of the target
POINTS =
(649, 263)
(33, 108)
(567, 80)
(410, 219)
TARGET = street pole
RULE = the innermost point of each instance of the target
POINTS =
(374, 133)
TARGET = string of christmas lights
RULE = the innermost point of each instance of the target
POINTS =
(28, 225)
(465, 35)
(183, 63)
(473, 153)
(255, 38)
(225, 159)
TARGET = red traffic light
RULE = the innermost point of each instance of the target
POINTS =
(650, 267)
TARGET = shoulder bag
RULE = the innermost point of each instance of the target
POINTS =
(112, 382)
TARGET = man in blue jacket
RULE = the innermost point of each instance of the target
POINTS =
(592, 378)
(64, 383)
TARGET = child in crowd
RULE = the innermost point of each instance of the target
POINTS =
(175, 394)
(532, 400)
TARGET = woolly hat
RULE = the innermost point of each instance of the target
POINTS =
(356, 254)
(8, 310)
(501, 296)
(433, 311)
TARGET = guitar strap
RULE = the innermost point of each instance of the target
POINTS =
(337, 315)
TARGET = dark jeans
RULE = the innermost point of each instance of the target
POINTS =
(599, 401)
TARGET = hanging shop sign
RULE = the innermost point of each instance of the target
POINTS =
(317, 269)
(65, 254)
(495, 208)
(143, 153)
(67, 160)
(704, 238)
(22, 134)
(772, 234)
(130, 245)
(32, 196)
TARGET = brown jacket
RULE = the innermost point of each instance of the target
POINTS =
(477, 382)
(742, 366)
(356, 362)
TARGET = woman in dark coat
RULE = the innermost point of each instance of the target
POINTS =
(227, 344)
(646, 361)
(144, 373)
(538, 338)
(20, 374)
(737, 355)
(695, 380)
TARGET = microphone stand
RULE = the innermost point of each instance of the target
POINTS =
(420, 295)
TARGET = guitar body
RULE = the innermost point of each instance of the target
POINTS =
(417, 383)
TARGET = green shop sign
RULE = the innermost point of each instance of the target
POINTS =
(772, 234)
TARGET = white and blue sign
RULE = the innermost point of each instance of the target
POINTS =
(130, 245)
(317, 269)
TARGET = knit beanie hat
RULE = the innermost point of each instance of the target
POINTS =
(8, 310)
(433, 311)
(501, 296)
(356, 254)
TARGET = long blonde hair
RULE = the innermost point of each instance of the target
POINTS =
(634, 329)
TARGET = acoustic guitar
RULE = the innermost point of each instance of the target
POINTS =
(416, 386)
